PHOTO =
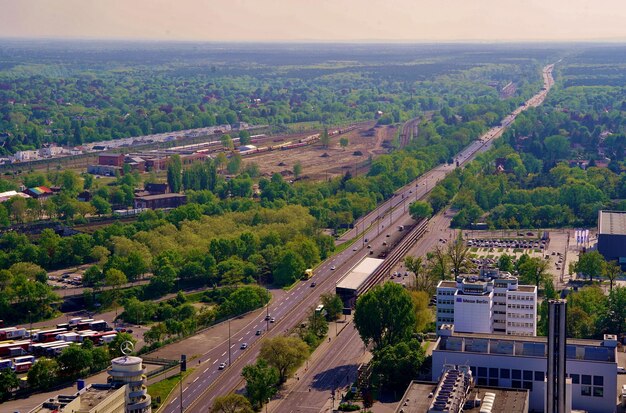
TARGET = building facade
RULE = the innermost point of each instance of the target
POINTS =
(612, 236)
(129, 371)
(488, 305)
(521, 363)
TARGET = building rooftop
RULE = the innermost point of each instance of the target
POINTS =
(447, 284)
(417, 399)
(526, 288)
(523, 346)
(160, 196)
(88, 399)
(612, 222)
(360, 273)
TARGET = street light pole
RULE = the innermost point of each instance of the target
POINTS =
(181, 392)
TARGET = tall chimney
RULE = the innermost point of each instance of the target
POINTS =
(557, 333)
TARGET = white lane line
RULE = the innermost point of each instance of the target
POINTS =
(174, 399)
(223, 354)
(216, 359)
(205, 370)
(195, 380)
(240, 339)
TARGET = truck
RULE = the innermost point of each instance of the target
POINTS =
(308, 273)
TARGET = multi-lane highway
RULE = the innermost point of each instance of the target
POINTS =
(209, 381)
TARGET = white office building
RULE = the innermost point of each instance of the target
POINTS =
(521, 363)
(488, 305)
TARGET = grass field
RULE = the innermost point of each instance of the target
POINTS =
(160, 390)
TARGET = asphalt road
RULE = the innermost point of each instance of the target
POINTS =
(336, 370)
(208, 381)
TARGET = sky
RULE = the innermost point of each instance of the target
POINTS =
(317, 20)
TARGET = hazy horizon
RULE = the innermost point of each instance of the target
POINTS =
(323, 21)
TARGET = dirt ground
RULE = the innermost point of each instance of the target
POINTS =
(315, 166)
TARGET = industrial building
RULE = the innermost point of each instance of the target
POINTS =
(125, 392)
(160, 201)
(96, 398)
(488, 304)
(457, 392)
(522, 363)
(351, 286)
(612, 236)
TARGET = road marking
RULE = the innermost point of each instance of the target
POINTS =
(216, 359)
(196, 379)
(240, 339)
(205, 370)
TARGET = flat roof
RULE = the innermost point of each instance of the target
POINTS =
(523, 346)
(160, 196)
(612, 222)
(359, 273)
(416, 398)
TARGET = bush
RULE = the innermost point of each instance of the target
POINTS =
(348, 407)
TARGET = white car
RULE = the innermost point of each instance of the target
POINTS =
(244, 346)
(621, 370)
(332, 268)
(222, 366)
(354, 249)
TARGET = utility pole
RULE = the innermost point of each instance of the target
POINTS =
(181, 393)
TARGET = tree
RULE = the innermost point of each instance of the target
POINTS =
(175, 173)
(420, 210)
(317, 324)
(324, 138)
(297, 169)
(289, 269)
(505, 263)
(385, 315)
(8, 382)
(74, 360)
(332, 304)
(398, 364)
(244, 137)
(612, 270)
(533, 271)
(227, 142)
(261, 382)
(458, 253)
(343, 142)
(437, 262)
(591, 264)
(43, 374)
(234, 164)
(284, 353)
(423, 279)
(231, 403)
(101, 205)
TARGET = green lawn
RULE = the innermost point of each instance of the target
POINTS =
(160, 390)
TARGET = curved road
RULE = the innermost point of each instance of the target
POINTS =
(208, 381)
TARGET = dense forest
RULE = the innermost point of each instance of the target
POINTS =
(73, 93)
(558, 164)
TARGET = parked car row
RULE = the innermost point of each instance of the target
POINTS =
(506, 243)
